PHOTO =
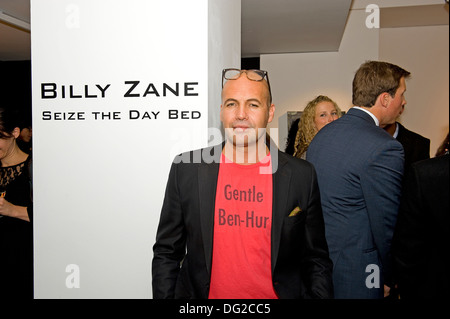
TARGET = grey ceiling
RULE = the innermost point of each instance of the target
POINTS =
(286, 26)
(268, 26)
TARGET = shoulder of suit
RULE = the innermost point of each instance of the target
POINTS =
(403, 131)
(379, 138)
(439, 161)
(294, 161)
(202, 155)
(434, 172)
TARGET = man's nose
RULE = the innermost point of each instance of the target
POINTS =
(241, 112)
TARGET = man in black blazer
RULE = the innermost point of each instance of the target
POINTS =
(415, 146)
(295, 262)
(421, 235)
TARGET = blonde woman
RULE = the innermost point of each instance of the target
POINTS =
(318, 113)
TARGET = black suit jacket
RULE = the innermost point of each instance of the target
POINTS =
(181, 266)
(420, 242)
(416, 146)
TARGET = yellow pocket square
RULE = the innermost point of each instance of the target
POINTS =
(295, 211)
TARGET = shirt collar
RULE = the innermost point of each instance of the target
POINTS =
(373, 116)
(397, 127)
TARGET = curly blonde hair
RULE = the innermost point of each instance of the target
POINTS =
(306, 128)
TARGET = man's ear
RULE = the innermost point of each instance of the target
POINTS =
(384, 98)
(271, 112)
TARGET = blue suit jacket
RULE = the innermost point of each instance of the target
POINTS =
(359, 168)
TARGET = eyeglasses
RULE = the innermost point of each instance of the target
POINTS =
(253, 75)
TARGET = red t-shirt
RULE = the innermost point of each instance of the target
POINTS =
(241, 265)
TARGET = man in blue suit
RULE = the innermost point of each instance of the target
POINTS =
(360, 168)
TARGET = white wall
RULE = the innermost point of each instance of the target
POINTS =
(424, 51)
(298, 78)
(361, 4)
(99, 182)
(224, 44)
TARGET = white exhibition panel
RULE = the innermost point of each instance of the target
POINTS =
(119, 88)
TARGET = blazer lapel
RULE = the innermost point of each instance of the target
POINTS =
(281, 180)
(207, 184)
